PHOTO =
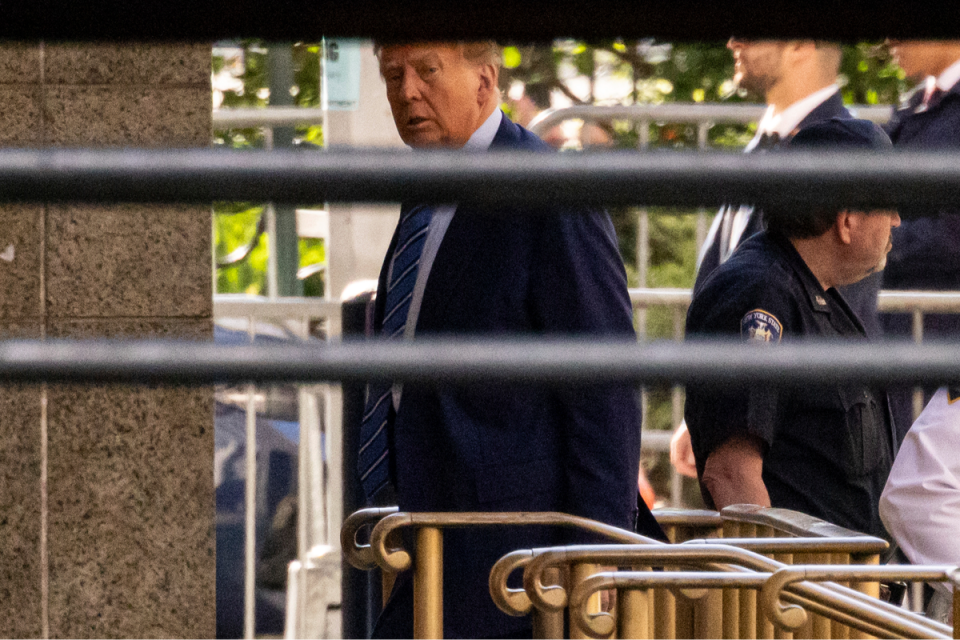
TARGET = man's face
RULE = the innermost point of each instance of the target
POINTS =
(870, 241)
(434, 94)
(757, 64)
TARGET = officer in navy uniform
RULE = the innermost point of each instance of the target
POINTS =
(797, 80)
(926, 251)
(824, 451)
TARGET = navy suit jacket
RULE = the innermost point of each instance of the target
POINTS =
(861, 296)
(506, 273)
(926, 250)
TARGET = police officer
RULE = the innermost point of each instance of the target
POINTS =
(798, 81)
(825, 452)
(926, 254)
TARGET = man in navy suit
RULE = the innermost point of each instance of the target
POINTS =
(798, 81)
(926, 251)
(492, 272)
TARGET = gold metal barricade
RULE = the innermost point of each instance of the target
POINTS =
(729, 610)
(742, 568)
(386, 551)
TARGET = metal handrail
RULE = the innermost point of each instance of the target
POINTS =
(718, 557)
(245, 118)
(568, 361)
(674, 112)
(916, 181)
(864, 617)
(361, 556)
(680, 113)
(398, 559)
(793, 617)
(888, 301)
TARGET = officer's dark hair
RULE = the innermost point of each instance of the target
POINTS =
(836, 133)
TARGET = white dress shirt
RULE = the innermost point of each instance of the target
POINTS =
(920, 505)
(949, 77)
(782, 124)
(481, 140)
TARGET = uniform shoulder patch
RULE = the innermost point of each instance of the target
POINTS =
(761, 326)
(953, 393)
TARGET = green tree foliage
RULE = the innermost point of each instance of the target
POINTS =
(235, 223)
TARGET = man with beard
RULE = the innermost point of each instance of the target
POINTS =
(798, 81)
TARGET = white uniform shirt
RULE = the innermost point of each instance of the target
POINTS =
(920, 505)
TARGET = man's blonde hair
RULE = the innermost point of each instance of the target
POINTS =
(479, 52)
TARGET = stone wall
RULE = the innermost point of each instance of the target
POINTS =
(106, 501)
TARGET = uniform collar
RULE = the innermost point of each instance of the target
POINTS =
(817, 297)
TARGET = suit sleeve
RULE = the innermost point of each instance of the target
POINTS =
(579, 288)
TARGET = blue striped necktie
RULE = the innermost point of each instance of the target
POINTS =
(374, 460)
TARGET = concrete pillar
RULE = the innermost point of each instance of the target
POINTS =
(106, 503)
(360, 234)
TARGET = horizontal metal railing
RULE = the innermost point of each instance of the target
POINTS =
(680, 113)
(549, 362)
(672, 112)
(888, 301)
(910, 180)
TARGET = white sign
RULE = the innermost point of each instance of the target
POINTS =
(340, 89)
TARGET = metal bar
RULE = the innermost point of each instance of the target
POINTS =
(285, 242)
(250, 518)
(535, 20)
(272, 116)
(679, 113)
(263, 308)
(573, 361)
(578, 574)
(428, 584)
(915, 181)
(888, 301)
(918, 338)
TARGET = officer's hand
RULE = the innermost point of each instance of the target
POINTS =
(681, 452)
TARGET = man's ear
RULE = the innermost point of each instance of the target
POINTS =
(801, 49)
(489, 77)
(845, 226)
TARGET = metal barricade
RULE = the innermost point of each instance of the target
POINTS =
(691, 589)
(699, 590)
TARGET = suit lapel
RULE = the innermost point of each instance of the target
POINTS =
(459, 246)
(908, 123)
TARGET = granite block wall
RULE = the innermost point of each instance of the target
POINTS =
(106, 503)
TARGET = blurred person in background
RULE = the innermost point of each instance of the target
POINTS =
(798, 81)
(926, 254)
(492, 272)
(821, 450)
(535, 100)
